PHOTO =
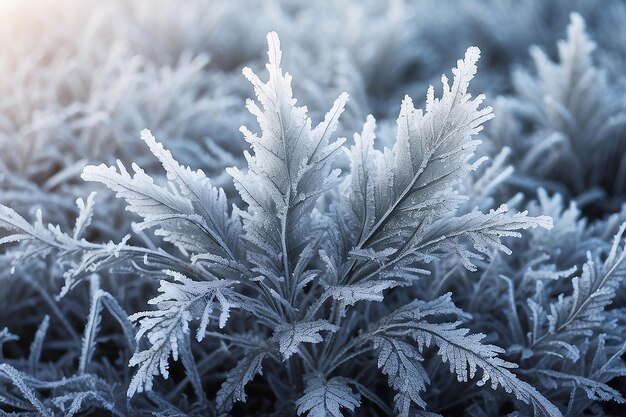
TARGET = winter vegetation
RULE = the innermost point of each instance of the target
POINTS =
(285, 209)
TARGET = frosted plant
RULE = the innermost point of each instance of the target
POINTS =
(553, 307)
(571, 345)
(287, 283)
(577, 124)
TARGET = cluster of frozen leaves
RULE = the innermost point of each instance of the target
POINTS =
(564, 123)
(409, 280)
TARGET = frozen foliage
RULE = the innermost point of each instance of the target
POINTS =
(577, 121)
(407, 270)
(274, 276)
(324, 398)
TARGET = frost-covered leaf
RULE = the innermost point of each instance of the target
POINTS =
(372, 255)
(77, 399)
(179, 302)
(404, 198)
(290, 336)
(17, 378)
(158, 206)
(85, 215)
(393, 190)
(402, 364)
(208, 201)
(233, 389)
(37, 345)
(361, 291)
(290, 168)
(99, 299)
(326, 398)
(485, 231)
(464, 353)
(594, 390)
(593, 290)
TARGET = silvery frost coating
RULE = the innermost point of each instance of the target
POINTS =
(417, 273)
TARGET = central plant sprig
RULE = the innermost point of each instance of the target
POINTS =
(298, 274)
